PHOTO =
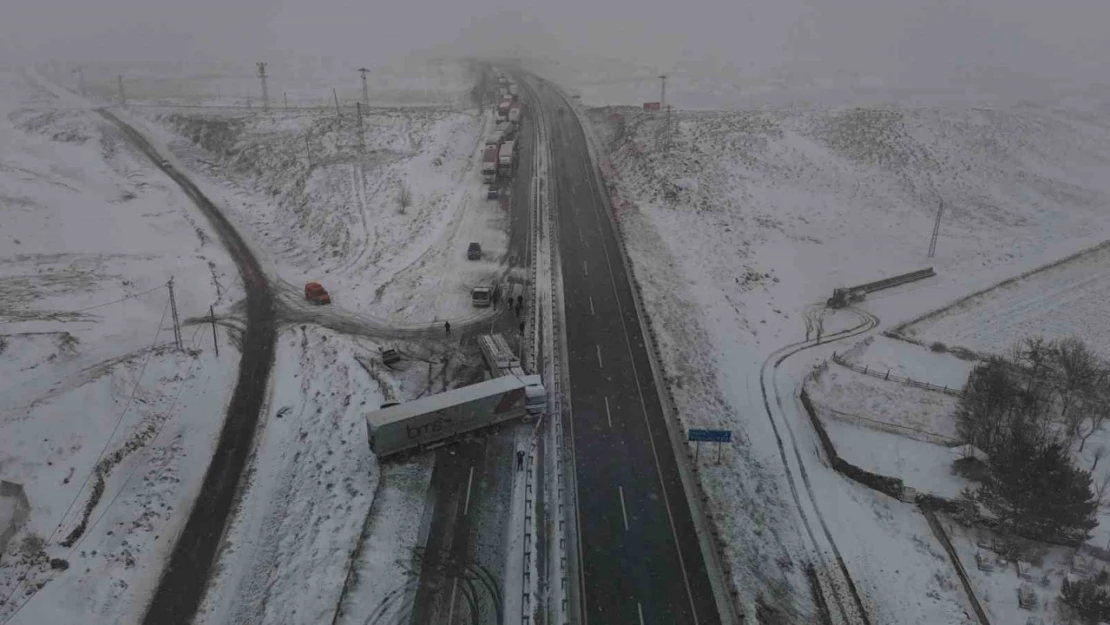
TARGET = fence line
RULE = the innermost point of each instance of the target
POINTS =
(897, 378)
(894, 428)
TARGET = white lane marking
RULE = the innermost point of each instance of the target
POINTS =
(592, 306)
(643, 407)
(469, 480)
(624, 511)
(608, 416)
(586, 267)
(451, 611)
(640, 609)
(599, 356)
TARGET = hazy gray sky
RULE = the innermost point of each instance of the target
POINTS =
(931, 41)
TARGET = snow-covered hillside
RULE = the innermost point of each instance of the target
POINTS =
(740, 233)
(340, 220)
(106, 425)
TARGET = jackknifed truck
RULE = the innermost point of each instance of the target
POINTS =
(423, 422)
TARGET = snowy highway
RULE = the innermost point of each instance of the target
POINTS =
(639, 557)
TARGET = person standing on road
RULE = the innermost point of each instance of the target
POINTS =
(519, 460)
(447, 327)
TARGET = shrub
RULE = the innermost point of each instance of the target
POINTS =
(938, 347)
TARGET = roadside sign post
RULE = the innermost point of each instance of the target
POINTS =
(708, 436)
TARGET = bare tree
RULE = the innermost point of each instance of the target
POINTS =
(404, 198)
(1095, 410)
(1075, 371)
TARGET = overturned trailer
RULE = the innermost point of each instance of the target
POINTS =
(438, 418)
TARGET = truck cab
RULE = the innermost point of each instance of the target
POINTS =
(481, 296)
(535, 398)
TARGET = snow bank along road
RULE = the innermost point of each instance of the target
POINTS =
(639, 561)
(182, 585)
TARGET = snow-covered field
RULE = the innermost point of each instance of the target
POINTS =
(107, 427)
(849, 396)
(1071, 299)
(755, 215)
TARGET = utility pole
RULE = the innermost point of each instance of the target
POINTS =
(668, 130)
(176, 323)
(285, 98)
(338, 117)
(365, 93)
(212, 318)
(361, 136)
(265, 93)
(122, 95)
(663, 90)
(936, 230)
(81, 79)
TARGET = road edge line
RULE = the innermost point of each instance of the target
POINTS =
(725, 607)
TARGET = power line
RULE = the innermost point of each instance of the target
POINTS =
(100, 456)
(112, 501)
(81, 310)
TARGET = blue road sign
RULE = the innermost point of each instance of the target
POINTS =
(710, 436)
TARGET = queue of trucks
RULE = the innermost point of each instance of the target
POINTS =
(498, 159)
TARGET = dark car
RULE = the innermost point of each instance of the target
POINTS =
(474, 252)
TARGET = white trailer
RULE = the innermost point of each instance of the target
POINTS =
(505, 159)
(421, 422)
(514, 115)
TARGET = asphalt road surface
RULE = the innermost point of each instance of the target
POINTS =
(640, 557)
(461, 570)
(183, 582)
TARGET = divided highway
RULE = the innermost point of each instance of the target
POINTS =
(640, 561)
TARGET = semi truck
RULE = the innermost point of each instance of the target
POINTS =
(505, 159)
(438, 418)
(489, 165)
(514, 115)
(494, 138)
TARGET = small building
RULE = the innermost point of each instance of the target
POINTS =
(14, 510)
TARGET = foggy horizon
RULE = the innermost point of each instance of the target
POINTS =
(952, 43)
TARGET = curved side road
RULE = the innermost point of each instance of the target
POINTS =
(185, 578)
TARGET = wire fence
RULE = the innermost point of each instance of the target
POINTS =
(887, 375)
(891, 428)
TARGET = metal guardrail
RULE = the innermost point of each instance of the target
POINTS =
(838, 359)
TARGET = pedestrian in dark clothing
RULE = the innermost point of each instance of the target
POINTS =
(519, 460)
(522, 327)
(447, 327)
(519, 301)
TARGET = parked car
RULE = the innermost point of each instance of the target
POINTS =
(474, 252)
(316, 294)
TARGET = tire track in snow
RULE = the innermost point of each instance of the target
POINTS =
(855, 613)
